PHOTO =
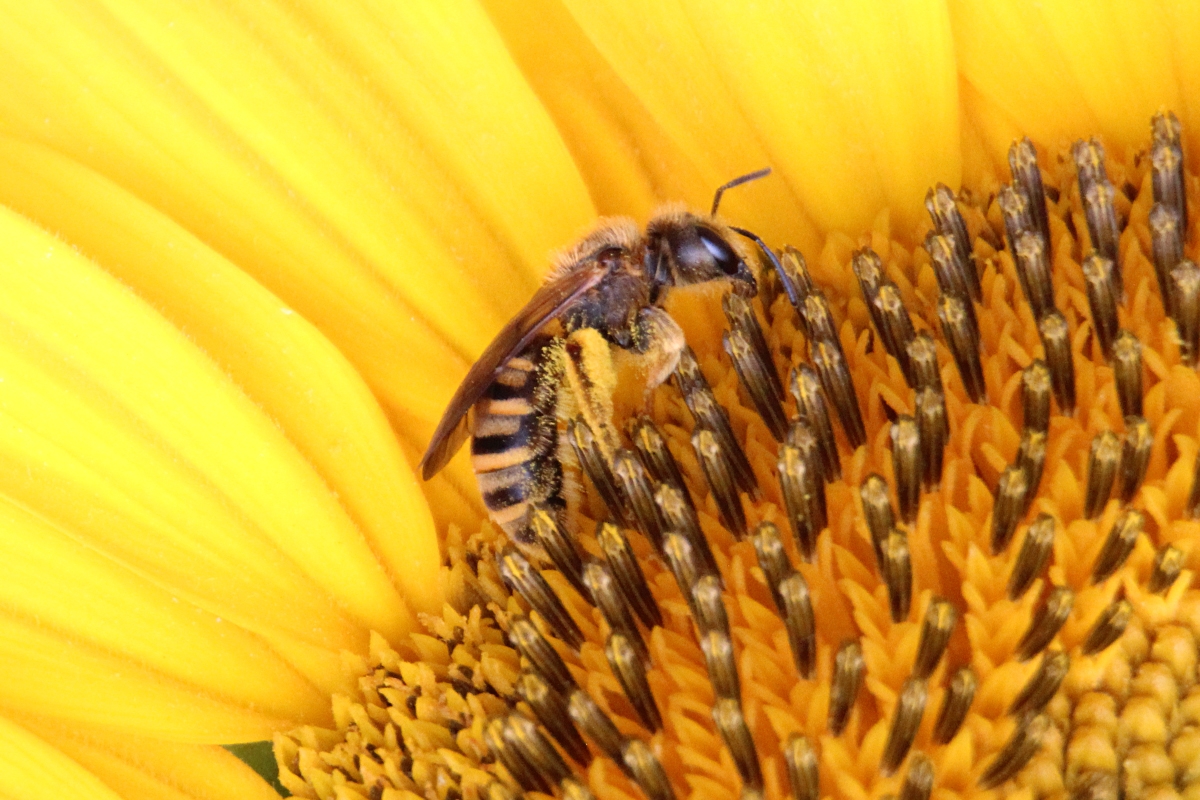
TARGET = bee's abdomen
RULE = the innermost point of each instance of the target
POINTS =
(513, 444)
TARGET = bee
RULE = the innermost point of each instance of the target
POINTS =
(548, 363)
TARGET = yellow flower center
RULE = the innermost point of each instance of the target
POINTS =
(952, 553)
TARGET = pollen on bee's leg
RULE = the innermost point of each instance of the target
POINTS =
(802, 767)
(811, 407)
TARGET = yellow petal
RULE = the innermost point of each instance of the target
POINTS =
(371, 166)
(1055, 70)
(855, 103)
(31, 769)
(124, 434)
(280, 360)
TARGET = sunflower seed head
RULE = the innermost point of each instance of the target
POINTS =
(1027, 178)
(595, 724)
(526, 581)
(521, 734)
(646, 771)
(597, 467)
(1042, 685)
(877, 511)
(722, 665)
(524, 773)
(897, 575)
(1108, 627)
(797, 610)
(680, 517)
(718, 471)
(1034, 554)
(1166, 249)
(1031, 459)
(635, 485)
(803, 493)
(630, 672)
(849, 668)
(1102, 299)
(948, 221)
(1103, 460)
(1168, 563)
(905, 721)
(607, 596)
(1035, 396)
(918, 781)
(802, 767)
(907, 466)
(1185, 302)
(623, 565)
(756, 378)
(936, 628)
(1056, 342)
(811, 408)
(839, 387)
(711, 417)
(731, 724)
(1020, 747)
(1166, 161)
(1008, 507)
(559, 545)
(955, 705)
(1033, 269)
(550, 707)
(1103, 226)
(934, 430)
(963, 341)
(541, 656)
(1127, 372)
(1135, 457)
(898, 326)
(709, 605)
(1045, 622)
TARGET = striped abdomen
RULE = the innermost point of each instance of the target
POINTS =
(513, 443)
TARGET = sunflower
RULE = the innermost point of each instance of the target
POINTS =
(251, 250)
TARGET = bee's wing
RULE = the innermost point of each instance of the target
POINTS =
(549, 301)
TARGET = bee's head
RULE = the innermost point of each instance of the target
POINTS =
(683, 249)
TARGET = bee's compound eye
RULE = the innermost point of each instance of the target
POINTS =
(720, 250)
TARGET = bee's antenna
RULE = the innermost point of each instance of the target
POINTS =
(753, 176)
(789, 288)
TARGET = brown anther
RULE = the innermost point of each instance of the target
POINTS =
(918, 781)
(1035, 396)
(849, 669)
(636, 487)
(575, 789)
(839, 387)
(1104, 458)
(897, 575)
(868, 268)
(681, 558)
(710, 613)
(907, 466)
(1135, 457)
(877, 512)
(802, 767)
(551, 710)
(936, 628)
(596, 725)
(1008, 506)
(1027, 178)
(1042, 685)
(933, 428)
(623, 564)
(710, 416)
(598, 468)
(680, 518)
(811, 407)
(1102, 300)
(1018, 219)
(496, 790)
(1056, 342)
(804, 498)
(731, 724)
(922, 355)
(906, 719)
(1185, 303)
(1045, 622)
(521, 734)
(1025, 741)
(1108, 627)
(1168, 563)
(560, 546)
(963, 341)
(1033, 268)
(630, 672)
(796, 608)
(722, 665)
(817, 311)
(1089, 162)
(522, 578)
(718, 472)
(772, 558)
(1166, 160)
(953, 276)
(955, 705)
(1031, 459)
(512, 758)
(898, 326)
(1032, 558)
(534, 648)
(646, 771)
(740, 313)
(656, 456)
(1127, 373)
(607, 596)
(802, 437)
(1103, 226)
(755, 376)
(948, 221)
(1166, 249)
(795, 268)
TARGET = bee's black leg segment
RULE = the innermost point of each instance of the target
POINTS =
(789, 286)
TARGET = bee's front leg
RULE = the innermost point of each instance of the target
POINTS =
(659, 340)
